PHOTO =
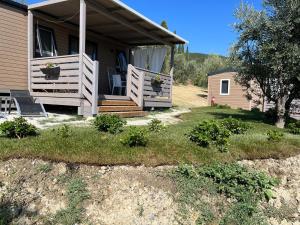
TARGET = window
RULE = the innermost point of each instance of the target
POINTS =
(224, 87)
(90, 48)
(45, 42)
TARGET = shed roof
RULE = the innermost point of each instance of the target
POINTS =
(113, 19)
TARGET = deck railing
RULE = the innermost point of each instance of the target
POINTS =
(61, 90)
(90, 82)
(68, 88)
(135, 84)
(155, 95)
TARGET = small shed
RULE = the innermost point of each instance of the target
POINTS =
(224, 90)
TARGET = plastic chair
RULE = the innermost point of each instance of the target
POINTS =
(117, 83)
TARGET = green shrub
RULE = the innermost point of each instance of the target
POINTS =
(275, 135)
(235, 126)
(109, 123)
(64, 131)
(236, 181)
(135, 137)
(222, 106)
(18, 128)
(155, 126)
(271, 115)
(210, 132)
(294, 128)
(255, 110)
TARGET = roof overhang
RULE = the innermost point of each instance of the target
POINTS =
(113, 19)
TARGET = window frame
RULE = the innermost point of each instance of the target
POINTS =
(87, 42)
(37, 53)
(221, 83)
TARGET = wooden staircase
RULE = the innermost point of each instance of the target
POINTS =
(124, 107)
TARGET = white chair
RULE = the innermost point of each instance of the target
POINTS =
(110, 72)
(117, 83)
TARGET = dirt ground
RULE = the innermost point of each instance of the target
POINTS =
(189, 96)
(34, 191)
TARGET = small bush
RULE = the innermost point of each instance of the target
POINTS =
(109, 123)
(155, 126)
(222, 106)
(235, 126)
(18, 128)
(255, 110)
(64, 131)
(210, 132)
(294, 128)
(275, 135)
(135, 137)
(271, 115)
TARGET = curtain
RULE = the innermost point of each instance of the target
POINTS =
(151, 58)
(158, 58)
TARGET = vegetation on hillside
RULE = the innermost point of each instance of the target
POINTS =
(193, 67)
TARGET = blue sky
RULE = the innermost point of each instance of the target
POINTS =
(206, 24)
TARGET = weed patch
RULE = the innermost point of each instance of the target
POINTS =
(242, 190)
(76, 194)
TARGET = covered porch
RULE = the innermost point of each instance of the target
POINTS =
(103, 30)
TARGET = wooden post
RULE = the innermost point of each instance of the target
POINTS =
(29, 45)
(128, 84)
(82, 37)
(141, 89)
(95, 88)
(172, 70)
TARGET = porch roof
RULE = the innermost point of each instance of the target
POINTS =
(111, 19)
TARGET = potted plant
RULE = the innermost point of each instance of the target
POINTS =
(51, 71)
(156, 82)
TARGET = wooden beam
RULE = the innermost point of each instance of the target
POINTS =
(82, 40)
(102, 10)
(172, 70)
(75, 27)
(105, 26)
(30, 45)
(116, 9)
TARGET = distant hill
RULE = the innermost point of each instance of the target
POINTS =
(200, 57)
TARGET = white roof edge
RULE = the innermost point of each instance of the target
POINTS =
(118, 2)
(148, 20)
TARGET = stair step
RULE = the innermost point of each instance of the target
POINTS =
(116, 103)
(119, 108)
(130, 114)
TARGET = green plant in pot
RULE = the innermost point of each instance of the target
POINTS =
(157, 81)
(51, 71)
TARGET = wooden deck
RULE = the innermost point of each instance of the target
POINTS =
(77, 85)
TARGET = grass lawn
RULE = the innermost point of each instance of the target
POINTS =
(171, 146)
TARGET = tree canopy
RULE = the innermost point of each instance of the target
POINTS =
(267, 52)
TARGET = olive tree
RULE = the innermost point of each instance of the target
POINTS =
(267, 52)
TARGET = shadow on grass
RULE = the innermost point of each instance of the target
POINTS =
(247, 116)
(10, 211)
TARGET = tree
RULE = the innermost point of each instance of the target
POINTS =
(187, 53)
(210, 64)
(164, 24)
(267, 52)
(166, 65)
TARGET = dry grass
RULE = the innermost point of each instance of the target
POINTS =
(189, 96)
